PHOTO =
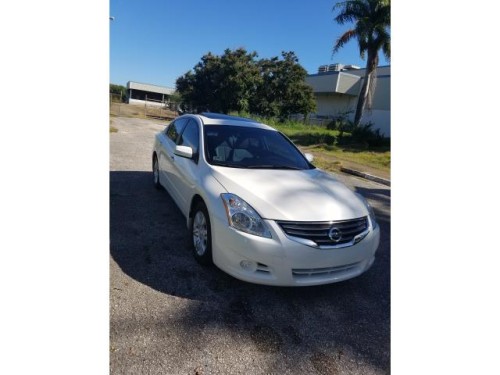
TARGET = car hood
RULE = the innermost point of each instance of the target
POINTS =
(293, 195)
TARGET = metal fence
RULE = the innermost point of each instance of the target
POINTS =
(158, 109)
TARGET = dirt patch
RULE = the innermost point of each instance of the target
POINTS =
(140, 111)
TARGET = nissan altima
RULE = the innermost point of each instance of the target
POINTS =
(257, 208)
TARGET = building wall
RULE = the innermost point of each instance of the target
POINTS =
(146, 95)
(348, 84)
(332, 104)
(143, 102)
(381, 71)
(340, 82)
(323, 82)
(381, 120)
(382, 96)
(155, 95)
(333, 99)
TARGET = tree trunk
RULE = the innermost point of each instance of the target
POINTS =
(371, 66)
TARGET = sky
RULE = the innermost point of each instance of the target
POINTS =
(156, 41)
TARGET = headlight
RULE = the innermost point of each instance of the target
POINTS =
(242, 216)
(371, 213)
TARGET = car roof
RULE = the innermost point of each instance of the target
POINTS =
(220, 116)
(210, 118)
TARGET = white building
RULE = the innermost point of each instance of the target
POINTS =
(336, 88)
(141, 93)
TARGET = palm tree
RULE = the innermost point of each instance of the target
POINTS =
(372, 21)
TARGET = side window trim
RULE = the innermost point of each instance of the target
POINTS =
(197, 153)
(182, 122)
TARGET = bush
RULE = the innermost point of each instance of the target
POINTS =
(118, 93)
(309, 138)
(341, 122)
(364, 136)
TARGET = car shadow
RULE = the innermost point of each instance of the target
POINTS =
(383, 194)
(149, 241)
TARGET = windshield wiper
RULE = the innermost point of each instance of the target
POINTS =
(273, 166)
(230, 165)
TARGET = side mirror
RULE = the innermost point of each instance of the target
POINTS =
(184, 151)
(309, 157)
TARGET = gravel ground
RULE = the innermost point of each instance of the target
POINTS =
(169, 315)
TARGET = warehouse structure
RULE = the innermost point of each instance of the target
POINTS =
(142, 93)
(336, 89)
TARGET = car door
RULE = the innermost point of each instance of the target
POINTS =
(167, 142)
(185, 171)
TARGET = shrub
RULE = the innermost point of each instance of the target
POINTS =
(364, 136)
(309, 138)
(118, 93)
(341, 122)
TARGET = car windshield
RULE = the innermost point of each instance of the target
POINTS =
(248, 147)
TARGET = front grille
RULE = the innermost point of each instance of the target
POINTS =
(343, 233)
(339, 271)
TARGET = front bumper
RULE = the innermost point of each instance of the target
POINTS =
(281, 261)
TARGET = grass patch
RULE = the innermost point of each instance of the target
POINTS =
(300, 133)
(332, 158)
(371, 158)
(139, 111)
(333, 150)
(326, 164)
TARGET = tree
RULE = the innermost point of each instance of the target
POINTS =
(372, 20)
(118, 90)
(220, 83)
(236, 81)
(283, 90)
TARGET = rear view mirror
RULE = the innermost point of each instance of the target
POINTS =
(184, 151)
(309, 157)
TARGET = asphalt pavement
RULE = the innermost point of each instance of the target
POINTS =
(169, 315)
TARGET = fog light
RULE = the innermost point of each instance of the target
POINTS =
(248, 265)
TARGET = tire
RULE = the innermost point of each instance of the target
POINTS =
(201, 235)
(156, 173)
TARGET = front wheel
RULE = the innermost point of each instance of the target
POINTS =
(201, 235)
(156, 173)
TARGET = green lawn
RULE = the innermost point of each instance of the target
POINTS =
(331, 158)
(328, 155)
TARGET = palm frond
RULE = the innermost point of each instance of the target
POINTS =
(350, 11)
(343, 39)
(386, 49)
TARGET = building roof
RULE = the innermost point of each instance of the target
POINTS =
(382, 71)
(340, 83)
(150, 88)
(343, 82)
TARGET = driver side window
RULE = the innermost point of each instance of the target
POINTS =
(176, 128)
(191, 137)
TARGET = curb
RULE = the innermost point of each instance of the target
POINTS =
(368, 176)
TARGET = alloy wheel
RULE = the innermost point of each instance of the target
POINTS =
(200, 233)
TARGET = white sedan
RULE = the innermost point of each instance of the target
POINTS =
(257, 208)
